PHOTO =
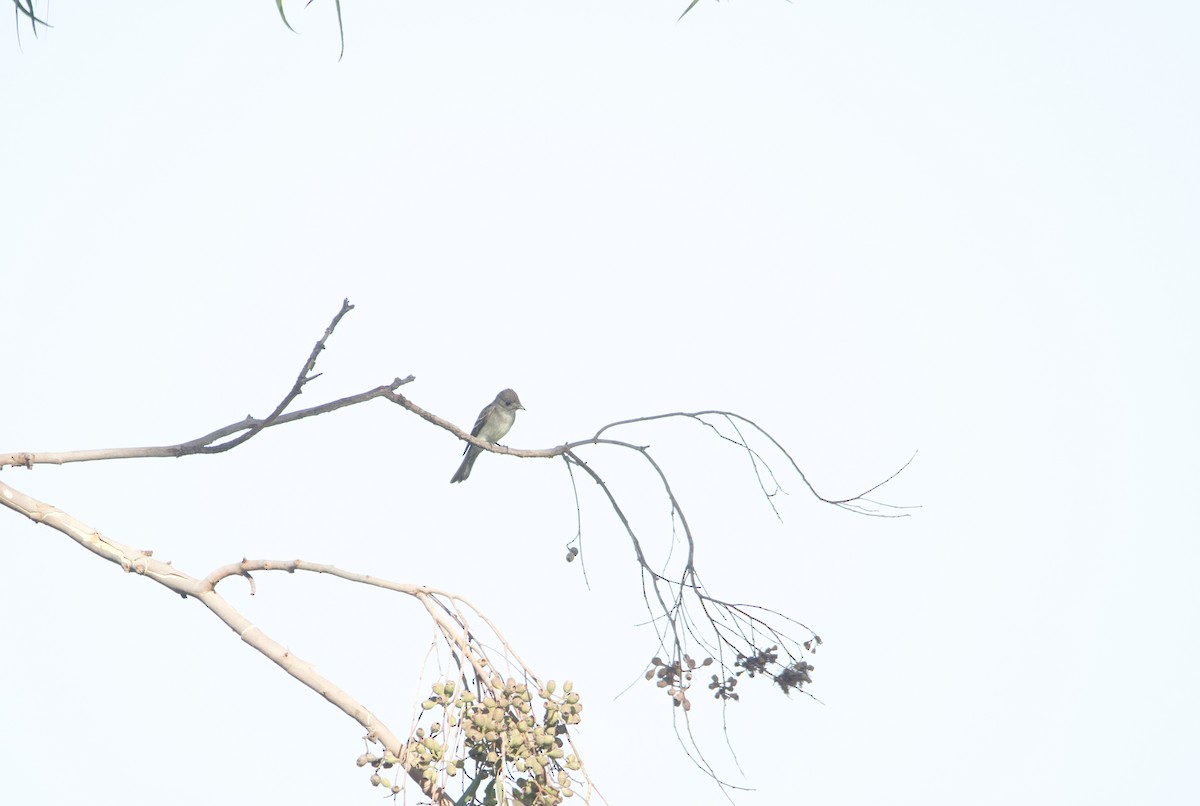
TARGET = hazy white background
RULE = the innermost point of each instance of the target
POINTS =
(964, 229)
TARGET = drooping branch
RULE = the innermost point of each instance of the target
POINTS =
(739, 640)
(852, 503)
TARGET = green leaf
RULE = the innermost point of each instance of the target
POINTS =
(282, 16)
(34, 20)
(691, 5)
(341, 30)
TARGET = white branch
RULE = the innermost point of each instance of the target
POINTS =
(142, 562)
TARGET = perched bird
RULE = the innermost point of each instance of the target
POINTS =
(493, 423)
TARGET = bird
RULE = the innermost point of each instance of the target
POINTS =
(494, 422)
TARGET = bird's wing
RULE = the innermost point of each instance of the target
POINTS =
(483, 416)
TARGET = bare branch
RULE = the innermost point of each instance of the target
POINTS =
(740, 640)
(193, 446)
(465, 436)
(295, 391)
(850, 503)
(141, 562)
(250, 425)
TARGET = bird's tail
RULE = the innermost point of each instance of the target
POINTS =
(464, 470)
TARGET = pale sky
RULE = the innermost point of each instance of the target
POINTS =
(966, 230)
